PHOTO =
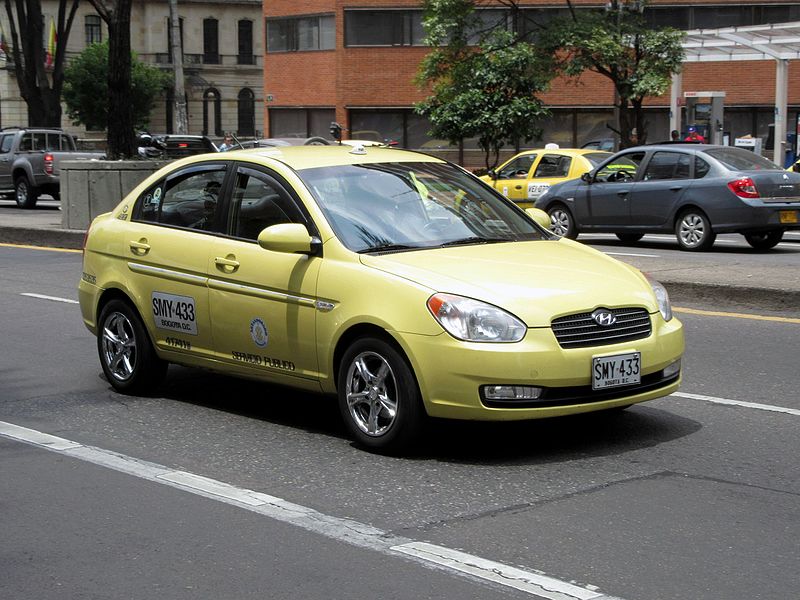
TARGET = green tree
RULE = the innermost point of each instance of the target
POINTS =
(482, 78)
(86, 88)
(618, 44)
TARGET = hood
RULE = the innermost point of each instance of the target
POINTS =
(537, 281)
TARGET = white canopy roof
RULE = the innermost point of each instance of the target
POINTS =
(753, 42)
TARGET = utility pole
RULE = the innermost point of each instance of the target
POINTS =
(176, 52)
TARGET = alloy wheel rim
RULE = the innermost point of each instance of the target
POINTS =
(559, 222)
(692, 230)
(119, 346)
(371, 392)
(22, 192)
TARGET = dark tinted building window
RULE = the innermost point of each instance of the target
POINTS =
(210, 42)
(295, 34)
(301, 122)
(383, 28)
(94, 32)
(246, 109)
(245, 39)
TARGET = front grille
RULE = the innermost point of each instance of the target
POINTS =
(581, 330)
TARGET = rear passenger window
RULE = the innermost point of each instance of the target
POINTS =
(667, 165)
(259, 202)
(701, 168)
(553, 165)
(188, 199)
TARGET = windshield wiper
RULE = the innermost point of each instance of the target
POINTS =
(387, 248)
(475, 240)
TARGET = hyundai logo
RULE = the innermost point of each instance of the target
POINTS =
(785, 177)
(604, 317)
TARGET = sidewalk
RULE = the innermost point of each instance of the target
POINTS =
(738, 279)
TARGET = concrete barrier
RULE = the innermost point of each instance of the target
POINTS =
(92, 187)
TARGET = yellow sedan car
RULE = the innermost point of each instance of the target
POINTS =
(529, 174)
(393, 280)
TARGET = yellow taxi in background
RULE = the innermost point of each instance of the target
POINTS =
(394, 280)
(529, 174)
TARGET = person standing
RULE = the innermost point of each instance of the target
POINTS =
(675, 135)
(694, 136)
(227, 143)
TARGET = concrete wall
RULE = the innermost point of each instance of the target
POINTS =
(91, 188)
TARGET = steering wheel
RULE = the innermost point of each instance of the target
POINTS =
(620, 176)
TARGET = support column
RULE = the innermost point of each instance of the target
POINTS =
(674, 105)
(781, 82)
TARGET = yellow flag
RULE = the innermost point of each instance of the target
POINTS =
(50, 58)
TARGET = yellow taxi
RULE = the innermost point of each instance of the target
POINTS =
(394, 280)
(529, 174)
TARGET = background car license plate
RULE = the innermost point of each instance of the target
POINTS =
(617, 370)
(788, 216)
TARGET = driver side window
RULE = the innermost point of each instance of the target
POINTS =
(517, 168)
(621, 169)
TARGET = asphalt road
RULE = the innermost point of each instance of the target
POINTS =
(683, 497)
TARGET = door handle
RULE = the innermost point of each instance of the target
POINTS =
(517, 187)
(141, 247)
(676, 188)
(228, 264)
(622, 193)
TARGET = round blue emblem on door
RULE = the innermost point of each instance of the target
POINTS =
(259, 333)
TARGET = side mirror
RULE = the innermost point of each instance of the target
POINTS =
(541, 217)
(492, 173)
(288, 238)
(587, 177)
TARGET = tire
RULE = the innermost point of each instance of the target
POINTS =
(316, 141)
(562, 222)
(693, 231)
(128, 359)
(629, 238)
(24, 193)
(764, 241)
(379, 398)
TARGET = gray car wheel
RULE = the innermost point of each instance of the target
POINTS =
(24, 193)
(378, 396)
(764, 241)
(693, 231)
(561, 221)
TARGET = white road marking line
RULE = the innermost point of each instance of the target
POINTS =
(632, 254)
(53, 298)
(341, 529)
(753, 405)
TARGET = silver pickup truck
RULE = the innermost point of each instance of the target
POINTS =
(30, 160)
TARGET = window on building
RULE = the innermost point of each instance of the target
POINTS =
(301, 122)
(317, 32)
(383, 28)
(245, 56)
(93, 28)
(246, 109)
(210, 42)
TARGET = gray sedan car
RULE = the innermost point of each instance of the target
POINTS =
(693, 190)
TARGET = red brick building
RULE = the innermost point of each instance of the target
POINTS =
(354, 61)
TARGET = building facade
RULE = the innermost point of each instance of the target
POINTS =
(223, 54)
(354, 61)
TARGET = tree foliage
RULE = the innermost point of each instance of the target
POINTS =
(618, 44)
(86, 88)
(483, 79)
(39, 85)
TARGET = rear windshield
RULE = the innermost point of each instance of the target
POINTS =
(596, 157)
(738, 159)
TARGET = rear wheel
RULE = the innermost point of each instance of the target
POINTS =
(561, 221)
(693, 231)
(764, 241)
(24, 193)
(126, 354)
(629, 238)
(379, 397)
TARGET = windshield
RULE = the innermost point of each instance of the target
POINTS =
(738, 159)
(400, 206)
(595, 158)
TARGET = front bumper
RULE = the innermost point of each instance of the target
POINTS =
(451, 373)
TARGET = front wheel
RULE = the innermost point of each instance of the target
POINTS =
(126, 354)
(379, 397)
(24, 193)
(561, 221)
(693, 231)
(764, 241)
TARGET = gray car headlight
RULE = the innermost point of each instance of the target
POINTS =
(662, 297)
(475, 321)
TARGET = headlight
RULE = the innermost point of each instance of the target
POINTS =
(474, 321)
(662, 297)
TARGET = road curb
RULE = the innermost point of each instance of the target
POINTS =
(33, 236)
(733, 296)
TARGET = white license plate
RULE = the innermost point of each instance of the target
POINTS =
(617, 370)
